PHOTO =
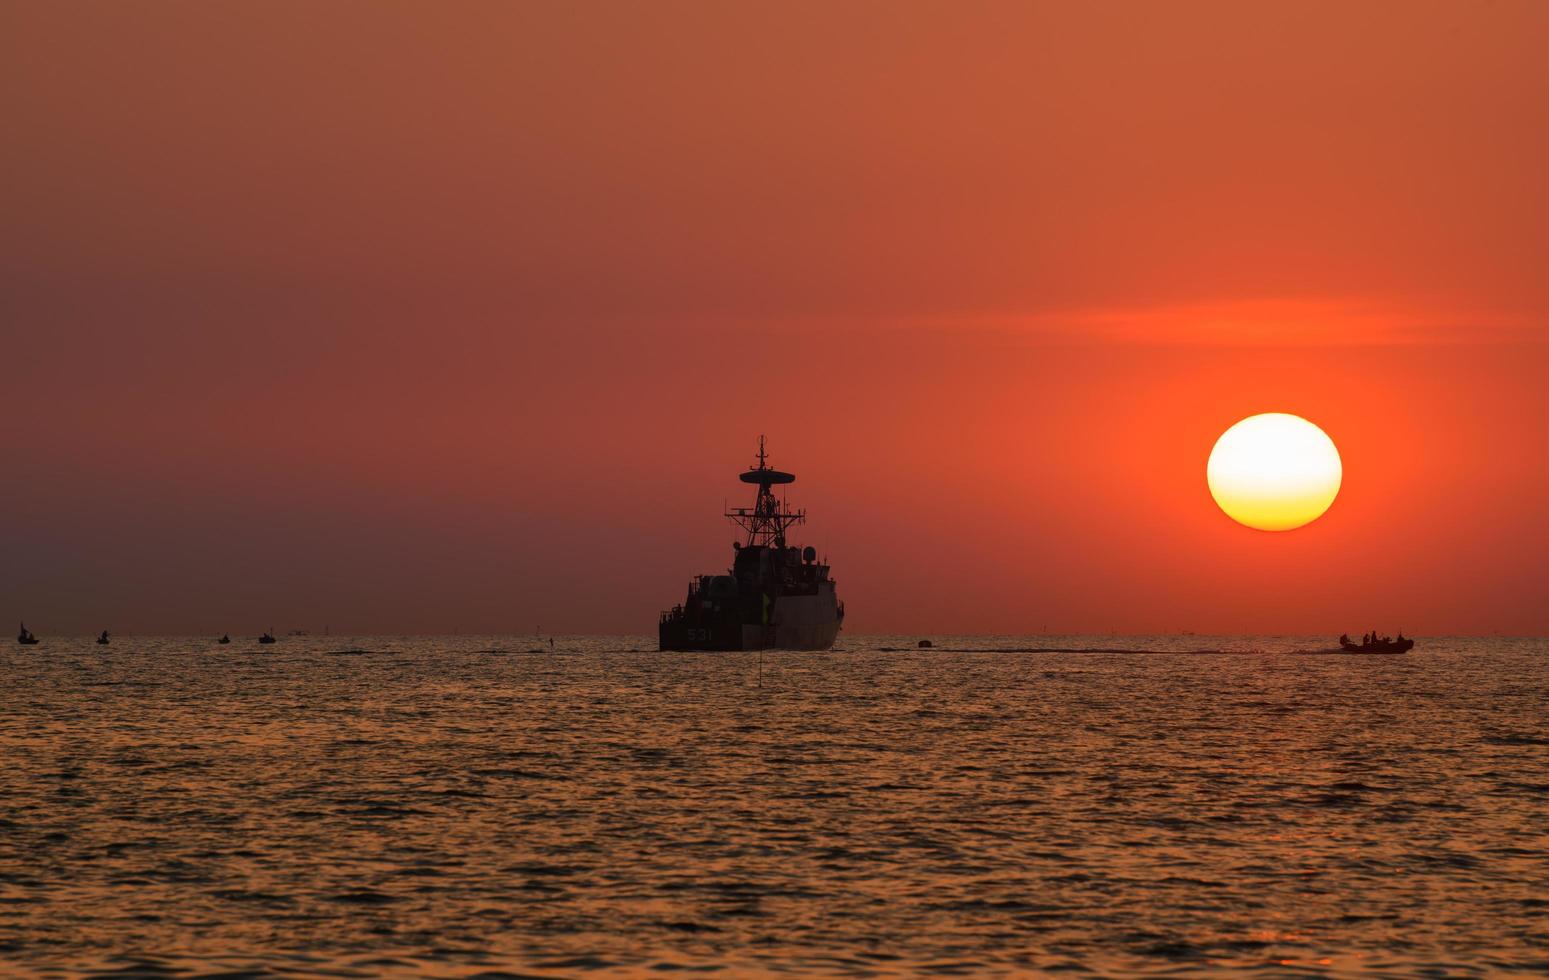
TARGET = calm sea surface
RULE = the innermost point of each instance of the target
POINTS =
(461, 806)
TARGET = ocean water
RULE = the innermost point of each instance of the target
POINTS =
(462, 806)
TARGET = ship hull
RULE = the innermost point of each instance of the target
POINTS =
(738, 636)
(1379, 648)
(796, 623)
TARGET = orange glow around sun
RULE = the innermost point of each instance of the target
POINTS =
(1274, 472)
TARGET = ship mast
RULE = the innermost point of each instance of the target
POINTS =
(767, 519)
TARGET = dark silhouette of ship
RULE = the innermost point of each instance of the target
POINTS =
(775, 596)
(24, 636)
(1372, 643)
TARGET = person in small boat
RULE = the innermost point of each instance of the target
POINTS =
(103, 638)
(1344, 639)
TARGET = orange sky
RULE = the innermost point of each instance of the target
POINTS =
(428, 318)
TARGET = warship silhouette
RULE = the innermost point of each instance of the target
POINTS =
(775, 596)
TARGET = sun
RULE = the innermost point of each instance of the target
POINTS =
(1274, 472)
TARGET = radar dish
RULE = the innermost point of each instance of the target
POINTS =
(767, 477)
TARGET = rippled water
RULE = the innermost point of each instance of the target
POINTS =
(460, 806)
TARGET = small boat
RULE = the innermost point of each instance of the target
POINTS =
(225, 638)
(266, 638)
(102, 639)
(1373, 644)
(24, 636)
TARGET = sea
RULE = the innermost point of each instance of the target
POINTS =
(494, 807)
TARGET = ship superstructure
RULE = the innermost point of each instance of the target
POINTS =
(775, 595)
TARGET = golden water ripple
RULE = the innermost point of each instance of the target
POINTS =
(444, 807)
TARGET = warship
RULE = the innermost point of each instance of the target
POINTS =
(775, 596)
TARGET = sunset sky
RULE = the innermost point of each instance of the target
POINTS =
(423, 317)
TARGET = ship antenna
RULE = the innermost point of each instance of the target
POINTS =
(766, 521)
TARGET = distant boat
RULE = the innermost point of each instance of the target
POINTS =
(1375, 645)
(775, 596)
(103, 638)
(266, 638)
(225, 638)
(24, 636)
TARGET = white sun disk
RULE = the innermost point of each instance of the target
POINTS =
(1274, 472)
